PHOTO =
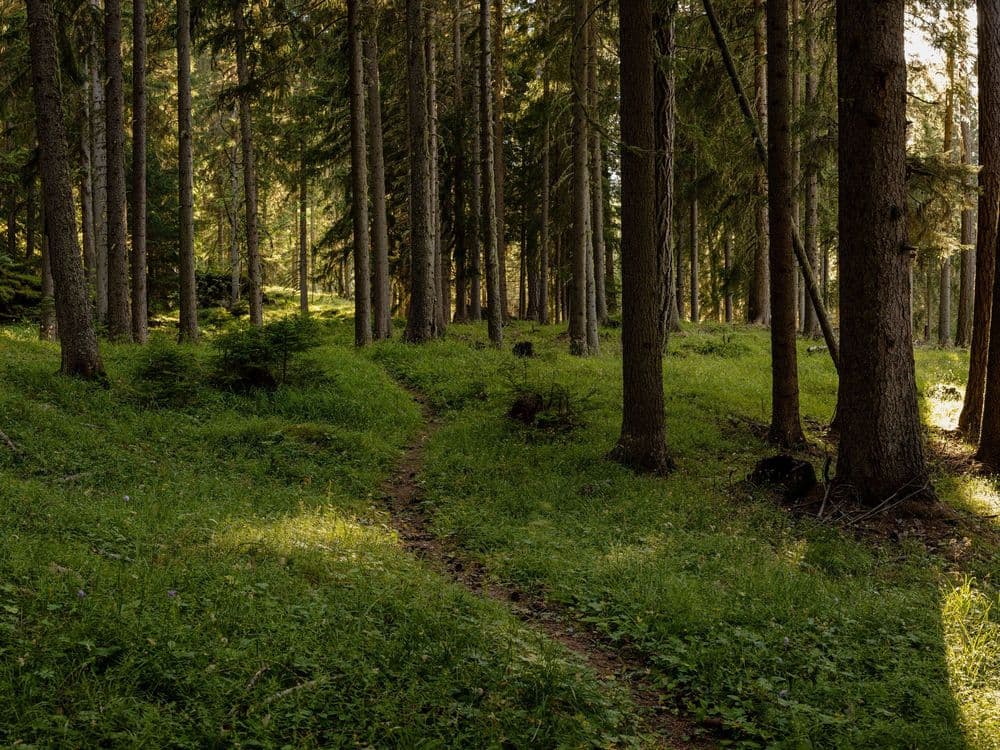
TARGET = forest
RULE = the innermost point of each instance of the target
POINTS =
(500, 374)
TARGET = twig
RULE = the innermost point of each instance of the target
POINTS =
(9, 443)
(293, 689)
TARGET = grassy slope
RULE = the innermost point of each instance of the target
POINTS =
(791, 634)
(221, 575)
(260, 513)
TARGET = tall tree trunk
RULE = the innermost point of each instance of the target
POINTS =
(420, 322)
(140, 316)
(98, 134)
(597, 174)
(458, 148)
(359, 180)
(881, 454)
(811, 229)
(29, 218)
(119, 324)
(249, 169)
(944, 304)
(382, 298)
(543, 260)
(985, 405)
(441, 285)
(304, 236)
(967, 272)
(87, 197)
(786, 428)
(694, 248)
(234, 227)
(188, 292)
(80, 355)
(578, 324)
(727, 282)
(499, 166)
(476, 265)
(759, 306)
(491, 236)
(642, 444)
(665, 114)
(944, 295)
(48, 329)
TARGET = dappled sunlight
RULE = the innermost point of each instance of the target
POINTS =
(980, 495)
(323, 530)
(972, 639)
(943, 405)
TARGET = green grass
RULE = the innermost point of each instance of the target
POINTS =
(240, 586)
(790, 633)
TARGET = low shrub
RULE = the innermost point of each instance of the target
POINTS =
(252, 358)
(166, 375)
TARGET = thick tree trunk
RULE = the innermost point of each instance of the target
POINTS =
(382, 297)
(249, 169)
(99, 151)
(786, 428)
(967, 271)
(642, 444)
(578, 324)
(759, 305)
(359, 179)
(420, 321)
(140, 315)
(458, 148)
(188, 293)
(119, 324)
(665, 112)
(491, 236)
(80, 355)
(881, 454)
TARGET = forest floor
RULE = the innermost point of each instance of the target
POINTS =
(375, 554)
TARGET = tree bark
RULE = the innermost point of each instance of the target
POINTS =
(881, 455)
(140, 315)
(597, 174)
(693, 262)
(665, 113)
(188, 294)
(967, 273)
(119, 324)
(420, 322)
(759, 306)
(382, 296)
(303, 236)
(491, 236)
(249, 169)
(359, 181)
(727, 282)
(811, 229)
(458, 148)
(476, 264)
(786, 428)
(543, 260)
(234, 226)
(578, 325)
(499, 168)
(98, 134)
(642, 443)
(442, 286)
(79, 351)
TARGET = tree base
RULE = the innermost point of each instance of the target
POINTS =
(643, 458)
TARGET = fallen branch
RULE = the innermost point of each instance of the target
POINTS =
(9, 443)
(288, 691)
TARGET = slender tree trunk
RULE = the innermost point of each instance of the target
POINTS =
(119, 324)
(249, 169)
(382, 298)
(234, 227)
(967, 272)
(303, 237)
(188, 295)
(642, 444)
(665, 114)
(441, 285)
(944, 304)
(727, 283)
(578, 324)
(597, 174)
(543, 261)
(29, 219)
(522, 276)
(491, 236)
(48, 330)
(881, 454)
(98, 132)
(475, 267)
(499, 166)
(420, 322)
(140, 316)
(759, 307)
(80, 355)
(786, 428)
(359, 180)
(87, 198)
(458, 148)
(695, 249)
(811, 326)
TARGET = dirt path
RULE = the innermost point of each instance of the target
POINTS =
(404, 501)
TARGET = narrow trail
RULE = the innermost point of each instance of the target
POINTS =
(403, 496)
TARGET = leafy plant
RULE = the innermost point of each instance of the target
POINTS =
(166, 375)
(251, 358)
